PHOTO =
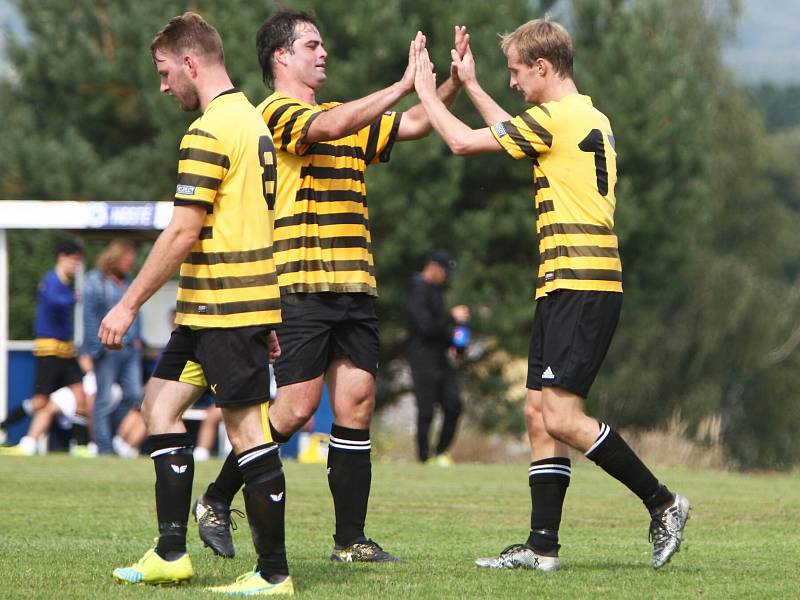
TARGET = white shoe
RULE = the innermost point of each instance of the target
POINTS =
(520, 556)
(666, 530)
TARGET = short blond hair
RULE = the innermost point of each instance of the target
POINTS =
(189, 31)
(542, 38)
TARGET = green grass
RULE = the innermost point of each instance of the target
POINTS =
(65, 523)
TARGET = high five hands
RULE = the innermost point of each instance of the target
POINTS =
(462, 67)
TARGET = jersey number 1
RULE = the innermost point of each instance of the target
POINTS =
(594, 143)
(266, 156)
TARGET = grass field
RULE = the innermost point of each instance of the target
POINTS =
(67, 522)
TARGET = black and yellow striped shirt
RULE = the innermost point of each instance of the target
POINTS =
(227, 166)
(574, 173)
(322, 237)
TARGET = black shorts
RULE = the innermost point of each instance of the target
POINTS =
(572, 331)
(320, 327)
(53, 372)
(232, 362)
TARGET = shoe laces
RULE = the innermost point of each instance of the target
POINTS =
(660, 532)
(511, 549)
(219, 514)
(248, 575)
(139, 563)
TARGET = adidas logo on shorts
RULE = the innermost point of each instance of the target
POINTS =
(548, 374)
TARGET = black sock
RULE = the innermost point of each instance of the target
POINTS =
(80, 430)
(449, 423)
(611, 453)
(265, 503)
(229, 481)
(277, 436)
(349, 477)
(549, 480)
(17, 414)
(174, 463)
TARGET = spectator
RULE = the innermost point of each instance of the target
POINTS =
(56, 363)
(103, 288)
(430, 345)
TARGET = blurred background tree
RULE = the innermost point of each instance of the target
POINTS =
(708, 195)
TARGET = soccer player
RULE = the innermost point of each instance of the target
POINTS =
(228, 304)
(579, 289)
(325, 266)
(56, 362)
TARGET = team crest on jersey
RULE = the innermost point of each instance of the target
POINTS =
(500, 129)
(186, 190)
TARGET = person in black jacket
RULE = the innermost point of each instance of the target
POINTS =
(430, 332)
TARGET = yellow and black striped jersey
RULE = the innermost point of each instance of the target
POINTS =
(227, 166)
(322, 239)
(574, 173)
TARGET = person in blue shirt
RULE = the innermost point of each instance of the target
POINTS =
(56, 362)
(102, 289)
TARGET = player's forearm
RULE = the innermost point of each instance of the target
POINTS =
(489, 109)
(451, 130)
(166, 256)
(415, 123)
(350, 117)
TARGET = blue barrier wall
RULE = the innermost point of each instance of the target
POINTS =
(21, 367)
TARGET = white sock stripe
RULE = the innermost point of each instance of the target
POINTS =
(604, 431)
(552, 468)
(158, 453)
(250, 456)
(345, 445)
(566, 474)
(337, 440)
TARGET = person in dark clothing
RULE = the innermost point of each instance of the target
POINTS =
(430, 344)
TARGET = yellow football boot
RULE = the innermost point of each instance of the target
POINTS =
(252, 584)
(154, 570)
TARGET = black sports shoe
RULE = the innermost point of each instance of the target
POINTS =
(215, 523)
(366, 551)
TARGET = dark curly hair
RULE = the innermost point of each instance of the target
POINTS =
(279, 31)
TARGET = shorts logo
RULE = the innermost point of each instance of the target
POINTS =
(276, 497)
(548, 374)
(180, 470)
(186, 190)
(213, 387)
(500, 129)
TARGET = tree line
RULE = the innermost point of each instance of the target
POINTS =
(708, 199)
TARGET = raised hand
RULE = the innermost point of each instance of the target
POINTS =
(417, 44)
(461, 47)
(425, 80)
(463, 64)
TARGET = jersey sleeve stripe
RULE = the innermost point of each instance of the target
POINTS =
(540, 183)
(201, 133)
(207, 206)
(206, 233)
(387, 151)
(272, 124)
(192, 179)
(206, 156)
(372, 140)
(228, 308)
(519, 139)
(544, 135)
(227, 283)
(286, 137)
(215, 258)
